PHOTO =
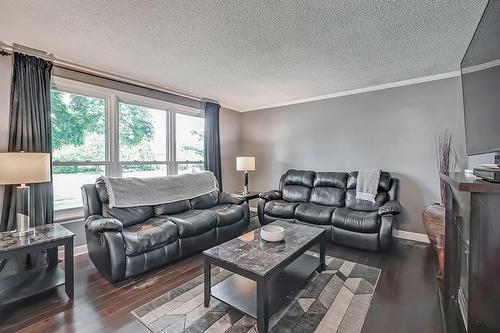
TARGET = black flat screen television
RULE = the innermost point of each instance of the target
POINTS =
(480, 68)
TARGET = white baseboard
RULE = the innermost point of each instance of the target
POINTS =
(77, 250)
(414, 236)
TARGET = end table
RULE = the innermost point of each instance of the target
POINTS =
(249, 196)
(40, 279)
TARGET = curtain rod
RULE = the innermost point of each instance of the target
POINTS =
(6, 49)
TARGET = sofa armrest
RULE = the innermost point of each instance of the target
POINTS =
(99, 223)
(392, 207)
(271, 195)
(231, 198)
(385, 233)
(106, 249)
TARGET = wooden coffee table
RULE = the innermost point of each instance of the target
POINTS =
(266, 274)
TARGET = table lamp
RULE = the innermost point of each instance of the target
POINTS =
(245, 163)
(21, 169)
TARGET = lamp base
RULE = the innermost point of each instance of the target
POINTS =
(245, 184)
(23, 208)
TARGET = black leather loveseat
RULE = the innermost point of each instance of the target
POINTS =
(328, 200)
(126, 242)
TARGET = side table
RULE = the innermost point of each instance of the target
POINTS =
(40, 279)
(249, 196)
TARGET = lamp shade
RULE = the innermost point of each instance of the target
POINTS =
(245, 163)
(24, 168)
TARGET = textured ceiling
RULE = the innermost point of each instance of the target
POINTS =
(248, 54)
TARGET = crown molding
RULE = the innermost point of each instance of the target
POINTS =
(480, 67)
(389, 85)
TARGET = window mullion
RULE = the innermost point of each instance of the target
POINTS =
(114, 135)
(172, 156)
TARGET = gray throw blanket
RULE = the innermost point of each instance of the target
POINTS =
(367, 184)
(130, 192)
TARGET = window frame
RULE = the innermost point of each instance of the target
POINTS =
(113, 164)
(177, 163)
(146, 104)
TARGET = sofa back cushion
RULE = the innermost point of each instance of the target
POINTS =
(334, 189)
(297, 185)
(128, 216)
(205, 201)
(383, 185)
(172, 208)
(102, 191)
(329, 188)
(362, 205)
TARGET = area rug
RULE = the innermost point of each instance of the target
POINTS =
(335, 300)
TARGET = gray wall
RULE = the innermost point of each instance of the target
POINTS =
(392, 129)
(230, 141)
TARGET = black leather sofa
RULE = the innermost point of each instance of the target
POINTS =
(126, 242)
(328, 200)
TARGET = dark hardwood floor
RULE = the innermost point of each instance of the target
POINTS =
(405, 299)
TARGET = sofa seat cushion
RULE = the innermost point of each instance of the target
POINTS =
(149, 235)
(193, 222)
(313, 213)
(280, 208)
(348, 219)
(227, 214)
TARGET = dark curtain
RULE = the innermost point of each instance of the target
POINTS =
(212, 141)
(30, 131)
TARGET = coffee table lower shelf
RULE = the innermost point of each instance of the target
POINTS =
(241, 293)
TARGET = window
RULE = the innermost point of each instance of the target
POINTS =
(189, 143)
(78, 143)
(98, 131)
(143, 141)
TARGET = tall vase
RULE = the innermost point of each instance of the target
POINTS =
(434, 223)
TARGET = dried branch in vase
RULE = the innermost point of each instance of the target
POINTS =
(446, 159)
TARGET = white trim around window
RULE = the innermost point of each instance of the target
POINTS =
(112, 163)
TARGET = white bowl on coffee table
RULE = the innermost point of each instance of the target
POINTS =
(272, 233)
